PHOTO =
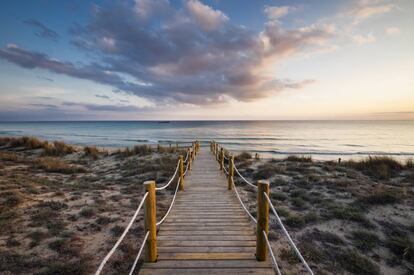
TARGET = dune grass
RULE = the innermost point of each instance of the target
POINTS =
(380, 167)
(55, 165)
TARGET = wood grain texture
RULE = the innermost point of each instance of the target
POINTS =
(207, 231)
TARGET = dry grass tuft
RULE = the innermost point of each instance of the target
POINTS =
(57, 148)
(55, 165)
(377, 167)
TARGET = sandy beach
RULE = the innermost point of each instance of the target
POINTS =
(63, 207)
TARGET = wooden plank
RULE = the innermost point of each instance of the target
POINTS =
(207, 264)
(178, 232)
(207, 243)
(206, 256)
(209, 271)
(204, 249)
(206, 238)
(230, 227)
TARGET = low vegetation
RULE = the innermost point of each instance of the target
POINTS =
(380, 167)
(58, 201)
(352, 217)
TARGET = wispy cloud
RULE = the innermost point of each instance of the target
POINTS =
(277, 12)
(194, 55)
(102, 96)
(392, 31)
(364, 39)
(41, 30)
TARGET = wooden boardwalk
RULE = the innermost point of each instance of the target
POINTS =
(207, 231)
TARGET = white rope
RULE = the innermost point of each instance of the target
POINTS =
(243, 178)
(225, 170)
(186, 157)
(171, 180)
(101, 266)
(226, 158)
(186, 169)
(271, 254)
(139, 253)
(171, 205)
(242, 204)
(288, 236)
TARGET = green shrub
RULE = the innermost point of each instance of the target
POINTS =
(87, 212)
(299, 158)
(279, 196)
(365, 240)
(355, 263)
(402, 247)
(381, 196)
(296, 221)
(243, 156)
(266, 171)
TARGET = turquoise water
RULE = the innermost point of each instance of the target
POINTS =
(321, 139)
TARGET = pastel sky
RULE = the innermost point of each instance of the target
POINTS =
(217, 59)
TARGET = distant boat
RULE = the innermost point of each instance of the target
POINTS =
(163, 121)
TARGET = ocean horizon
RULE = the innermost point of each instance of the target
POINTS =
(321, 139)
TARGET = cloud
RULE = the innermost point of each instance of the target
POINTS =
(169, 59)
(364, 9)
(364, 39)
(42, 30)
(106, 108)
(392, 31)
(102, 96)
(208, 18)
(45, 78)
(277, 12)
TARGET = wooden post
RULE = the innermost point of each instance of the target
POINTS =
(231, 173)
(221, 158)
(190, 159)
(158, 147)
(217, 156)
(262, 219)
(176, 145)
(150, 222)
(181, 168)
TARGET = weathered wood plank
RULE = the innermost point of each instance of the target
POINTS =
(207, 243)
(207, 256)
(207, 264)
(207, 231)
(209, 271)
(206, 238)
(204, 249)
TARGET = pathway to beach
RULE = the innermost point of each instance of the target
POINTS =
(207, 231)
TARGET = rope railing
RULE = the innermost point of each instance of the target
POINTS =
(242, 204)
(171, 205)
(186, 157)
(101, 266)
(271, 253)
(151, 186)
(243, 178)
(139, 253)
(171, 180)
(263, 199)
(288, 236)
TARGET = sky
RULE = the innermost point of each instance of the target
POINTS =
(206, 60)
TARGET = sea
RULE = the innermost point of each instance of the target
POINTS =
(324, 140)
